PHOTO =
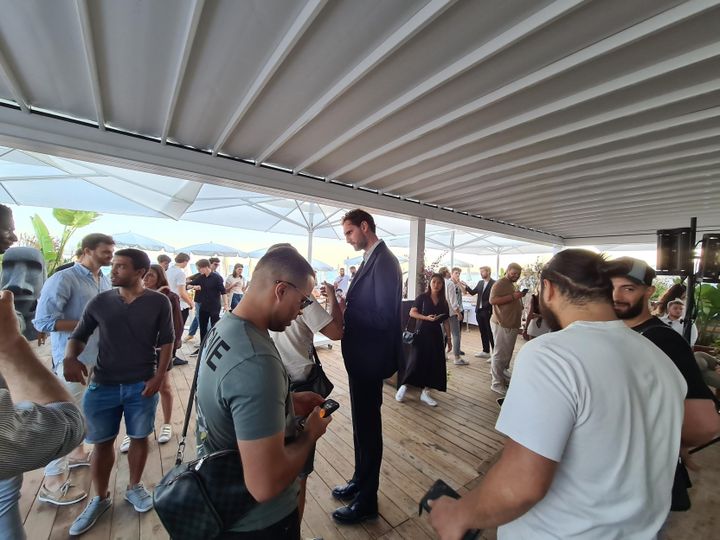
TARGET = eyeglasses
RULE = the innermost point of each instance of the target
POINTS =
(306, 300)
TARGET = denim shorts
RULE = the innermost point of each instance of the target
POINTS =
(105, 404)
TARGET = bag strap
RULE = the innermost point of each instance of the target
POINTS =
(188, 411)
(315, 356)
(418, 322)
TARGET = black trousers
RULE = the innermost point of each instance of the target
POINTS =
(185, 312)
(365, 403)
(205, 317)
(483, 319)
(287, 528)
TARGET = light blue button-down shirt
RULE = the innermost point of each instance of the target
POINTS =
(64, 297)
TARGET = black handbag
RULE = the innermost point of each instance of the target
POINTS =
(407, 336)
(316, 381)
(200, 499)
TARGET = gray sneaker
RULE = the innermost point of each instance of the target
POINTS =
(90, 515)
(139, 497)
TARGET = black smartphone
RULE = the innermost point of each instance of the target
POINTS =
(439, 489)
(441, 317)
(524, 291)
(328, 407)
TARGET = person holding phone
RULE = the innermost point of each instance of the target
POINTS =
(425, 366)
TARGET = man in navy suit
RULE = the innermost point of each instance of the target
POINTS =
(483, 310)
(371, 347)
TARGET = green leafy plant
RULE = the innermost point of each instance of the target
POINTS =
(707, 298)
(52, 247)
(530, 276)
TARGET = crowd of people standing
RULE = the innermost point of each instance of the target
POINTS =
(605, 374)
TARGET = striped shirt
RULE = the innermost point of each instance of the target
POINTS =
(32, 435)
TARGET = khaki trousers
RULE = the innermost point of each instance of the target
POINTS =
(502, 353)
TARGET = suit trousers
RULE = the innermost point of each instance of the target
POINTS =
(365, 403)
(207, 320)
(502, 354)
(483, 320)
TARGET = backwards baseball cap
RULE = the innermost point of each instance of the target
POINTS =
(633, 269)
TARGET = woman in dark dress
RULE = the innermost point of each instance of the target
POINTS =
(426, 363)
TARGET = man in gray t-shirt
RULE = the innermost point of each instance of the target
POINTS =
(243, 398)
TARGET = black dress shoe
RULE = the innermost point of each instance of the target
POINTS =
(346, 492)
(179, 361)
(355, 513)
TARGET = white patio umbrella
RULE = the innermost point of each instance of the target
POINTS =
(134, 240)
(211, 249)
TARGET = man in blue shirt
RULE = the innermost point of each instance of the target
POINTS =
(62, 301)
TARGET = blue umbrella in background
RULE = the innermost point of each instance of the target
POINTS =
(134, 240)
(211, 249)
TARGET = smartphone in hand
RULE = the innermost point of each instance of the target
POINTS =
(328, 407)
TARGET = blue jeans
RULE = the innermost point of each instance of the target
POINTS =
(11, 526)
(235, 300)
(195, 324)
(105, 404)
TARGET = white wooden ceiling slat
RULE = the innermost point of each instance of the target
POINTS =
(593, 121)
(289, 40)
(190, 32)
(603, 47)
(416, 23)
(578, 196)
(508, 183)
(664, 67)
(487, 50)
(13, 84)
(90, 60)
(590, 177)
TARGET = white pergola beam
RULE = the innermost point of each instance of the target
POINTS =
(637, 32)
(653, 103)
(90, 61)
(298, 28)
(417, 22)
(12, 82)
(515, 34)
(634, 78)
(190, 32)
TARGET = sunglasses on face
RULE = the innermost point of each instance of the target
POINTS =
(306, 300)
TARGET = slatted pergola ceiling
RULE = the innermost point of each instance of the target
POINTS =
(563, 121)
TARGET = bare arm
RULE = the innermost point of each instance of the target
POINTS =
(270, 466)
(518, 481)
(334, 329)
(700, 423)
(23, 371)
(505, 299)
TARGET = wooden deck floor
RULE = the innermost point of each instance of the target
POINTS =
(455, 441)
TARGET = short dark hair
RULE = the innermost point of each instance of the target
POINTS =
(202, 263)
(93, 240)
(163, 258)
(5, 211)
(140, 259)
(514, 266)
(214, 260)
(357, 216)
(284, 263)
(182, 257)
(635, 270)
(580, 275)
(456, 269)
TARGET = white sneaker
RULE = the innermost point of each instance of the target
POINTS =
(425, 398)
(482, 354)
(165, 434)
(400, 396)
(461, 362)
(125, 445)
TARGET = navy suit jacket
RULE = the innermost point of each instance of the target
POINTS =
(485, 296)
(372, 340)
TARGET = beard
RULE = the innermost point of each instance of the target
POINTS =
(549, 316)
(628, 311)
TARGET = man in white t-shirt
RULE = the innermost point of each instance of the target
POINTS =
(342, 282)
(295, 346)
(591, 445)
(177, 280)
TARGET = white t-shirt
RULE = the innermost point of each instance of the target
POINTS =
(176, 279)
(342, 283)
(294, 343)
(677, 325)
(237, 284)
(607, 405)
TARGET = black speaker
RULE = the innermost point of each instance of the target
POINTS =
(674, 252)
(710, 257)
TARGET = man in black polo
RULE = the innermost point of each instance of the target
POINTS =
(632, 288)
(209, 288)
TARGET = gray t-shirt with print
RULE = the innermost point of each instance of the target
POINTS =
(243, 394)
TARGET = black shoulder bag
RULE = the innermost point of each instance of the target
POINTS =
(317, 381)
(200, 499)
(407, 336)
